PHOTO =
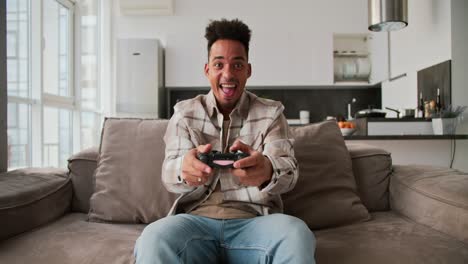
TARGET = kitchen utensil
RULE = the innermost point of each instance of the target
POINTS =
(347, 131)
(304, 116)
(407, 112)
(371, 112)
(394, 110)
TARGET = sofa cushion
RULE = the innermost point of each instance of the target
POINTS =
(388, 239)
(82, 166)
(72, 239)
(32, 197)
(372, 168)
(128, 185)
(434, 196)
(325, 194)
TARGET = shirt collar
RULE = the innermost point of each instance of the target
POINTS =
(242, 107)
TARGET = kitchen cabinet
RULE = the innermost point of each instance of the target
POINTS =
(351, 58)
(393, 126)
(431, 150)
(378, 49)
(360, 58)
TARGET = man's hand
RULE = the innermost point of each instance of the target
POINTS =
(195, 172)
(253, 170)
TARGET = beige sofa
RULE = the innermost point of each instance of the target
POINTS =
(417, 214)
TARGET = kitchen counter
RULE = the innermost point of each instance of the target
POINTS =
(405, 137)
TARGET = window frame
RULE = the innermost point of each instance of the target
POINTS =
(38, 99)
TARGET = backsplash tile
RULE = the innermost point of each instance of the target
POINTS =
(321, 101)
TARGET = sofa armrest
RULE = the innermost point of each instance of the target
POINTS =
(32, 197)
(372, 168)
(82, 166)
(433, 196)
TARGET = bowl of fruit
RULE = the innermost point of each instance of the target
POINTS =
(347, 128)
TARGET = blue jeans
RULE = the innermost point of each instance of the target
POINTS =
(186, 238)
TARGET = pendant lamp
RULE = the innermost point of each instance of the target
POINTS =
(388, 15)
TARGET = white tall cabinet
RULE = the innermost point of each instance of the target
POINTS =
(139, 78)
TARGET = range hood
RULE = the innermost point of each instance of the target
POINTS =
(388, 15)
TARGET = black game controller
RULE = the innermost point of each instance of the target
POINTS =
(216, 159)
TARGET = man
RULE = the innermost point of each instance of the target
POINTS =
(228, 215)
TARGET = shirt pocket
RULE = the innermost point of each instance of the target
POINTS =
(200, 138)
(255, 141)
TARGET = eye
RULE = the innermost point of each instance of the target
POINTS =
(238, 66)
(218, 65)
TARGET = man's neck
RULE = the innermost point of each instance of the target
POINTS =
(226, 112)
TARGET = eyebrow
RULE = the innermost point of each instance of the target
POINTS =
(235, 58)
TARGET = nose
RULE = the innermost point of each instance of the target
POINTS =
(228, 72)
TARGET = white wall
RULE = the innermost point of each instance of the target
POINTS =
(425, 42)
(460, 56)
(291, 43)
(460, 73)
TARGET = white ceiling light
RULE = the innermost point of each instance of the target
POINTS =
(388, 15)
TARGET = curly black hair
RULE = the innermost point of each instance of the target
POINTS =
(228, 29)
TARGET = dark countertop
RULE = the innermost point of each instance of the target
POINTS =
(391, 119)
(405, 137)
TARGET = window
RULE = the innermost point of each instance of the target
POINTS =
(53, 88)
(19, 83)
(57, 145)
(19, 147)
(57, 48)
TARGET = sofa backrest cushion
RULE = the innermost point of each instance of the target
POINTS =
(128, 185)
(372, 167)
(325, 194)
(433, 196)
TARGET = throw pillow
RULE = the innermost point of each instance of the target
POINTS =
(325, 194)
(128, 185)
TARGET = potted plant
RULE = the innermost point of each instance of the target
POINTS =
(445, 122)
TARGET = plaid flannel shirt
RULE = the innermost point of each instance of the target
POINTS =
(258, 122)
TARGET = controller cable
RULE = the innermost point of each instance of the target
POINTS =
(453, 149)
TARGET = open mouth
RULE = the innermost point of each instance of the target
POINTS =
(229, 89)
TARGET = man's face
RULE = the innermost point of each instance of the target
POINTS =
(227, 70)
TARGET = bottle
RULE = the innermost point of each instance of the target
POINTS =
(438, 106)
(427, 109)
(421, 106)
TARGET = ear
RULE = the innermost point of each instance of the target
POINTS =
(207, 69)
(249, 70)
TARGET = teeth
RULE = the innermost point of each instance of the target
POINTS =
(228, 85)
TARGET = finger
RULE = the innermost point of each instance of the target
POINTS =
(193, 173)
(204, 148)
(241, 173)
(191, 163)
(239, 145)
(200, 166)
(250, 161)
(194, 180)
